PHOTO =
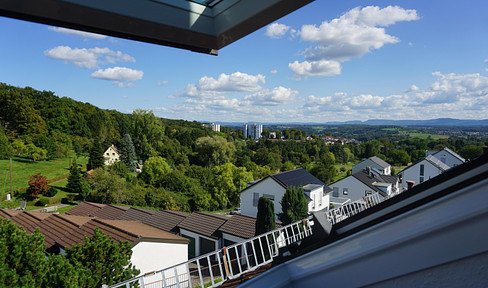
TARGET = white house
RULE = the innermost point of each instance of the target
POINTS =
(373, 162)
(361, 184)
(274, 186)
(447, 156)
(422, 170)
(111, 155)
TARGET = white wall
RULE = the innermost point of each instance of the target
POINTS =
(447, 158)
(152, 256)
(197, 240)
(367, 162)
(266, 186)
(412, 173)
(316, 204)
(357, 189)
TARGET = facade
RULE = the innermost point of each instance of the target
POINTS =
(215, 127)
(422, 170)
(253, 131)
(447, 156)
(111, 155)
(274, 186)
(373, 162)
(363, 183)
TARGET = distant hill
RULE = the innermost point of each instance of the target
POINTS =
(382, 122)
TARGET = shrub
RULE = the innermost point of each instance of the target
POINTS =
(42, 202)
(68, 199)
(51, 192)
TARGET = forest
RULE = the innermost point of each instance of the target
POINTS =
(186, 166)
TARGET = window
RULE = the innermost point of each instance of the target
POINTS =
(113, 154)
(345, 191)
(269, 196)
(335, 193)
(421, 179)
(422, 170)
(255, 199)
(108, 154)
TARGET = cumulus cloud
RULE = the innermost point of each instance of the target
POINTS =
(87, 58)
(412, 88)
(211, 88)
(276, 30)
(315, 68)
(119, 74)
(276, 96)
(77, 33)
(354, 34)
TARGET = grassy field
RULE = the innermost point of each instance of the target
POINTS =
(425, 135)
(340, 174)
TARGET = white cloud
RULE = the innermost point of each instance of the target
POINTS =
(412, 88)
(354, 34)
(77, 33)
(162, 83)
(276, 30)
(120, 74)
(211, 88)
(87, 58)
(274, 71)
(279, 95)
(315, 68)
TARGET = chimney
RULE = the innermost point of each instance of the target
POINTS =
(410, 184)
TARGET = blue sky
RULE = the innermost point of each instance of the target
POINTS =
(329, 61)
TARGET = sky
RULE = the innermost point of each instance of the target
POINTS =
(328, 61)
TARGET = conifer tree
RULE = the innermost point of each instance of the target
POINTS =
(96, 156)
(265, 220)
(74, 178)
(128, 152)
(294, 206)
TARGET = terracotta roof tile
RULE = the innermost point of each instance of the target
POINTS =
(240, 225)
(110, 212)
(204, 223)
(166, 220)
(136, 214)
(56, 227)
(85, 209)
(29, 220)
(9, 213)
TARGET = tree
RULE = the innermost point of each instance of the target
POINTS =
(128, 152)
(471, 151)
(85, 189)
(37, 185)
(154, 170)
(294, 206)
(74, 178)
(214, 150)
(265, 220)
(35, 153)
(102, 260)
(96, 159)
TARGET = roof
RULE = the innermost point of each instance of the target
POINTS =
(9, 213)
(110, 212)
(85, 209)
(452, 153)
(379, 161)
(205, 224)
(166, 220)
(136, 214)
(239, 225)
(56, 227)
(310, 187)
(296, 178)
(372, 180)
(198, 25)
(436, 162)
(29, 220)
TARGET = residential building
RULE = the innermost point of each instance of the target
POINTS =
(215, 127)
(361, 184)
(274, 186)
(373, 162)
(253, 131)
(422, 170)
(447, 156)
(111, 155)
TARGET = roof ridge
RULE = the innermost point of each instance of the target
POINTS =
(102, 221)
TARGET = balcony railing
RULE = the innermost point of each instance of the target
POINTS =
(213, 269)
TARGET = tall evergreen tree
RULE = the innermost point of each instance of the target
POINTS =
(96, 156)
(265, 220)
(74, 178)
(294, 206)
(128, 152)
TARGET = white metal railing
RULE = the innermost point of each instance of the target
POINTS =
(213, 269)
(353, 208)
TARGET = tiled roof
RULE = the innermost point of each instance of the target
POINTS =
(85, 209)
(452, 153)
(9, 213)
(205, 224)
(165, 220)
(56, 227)
(242, 226)
(136, 214)
(436, 162)
(379, 161)
(296, 178)
(110, 212)
(29, 220)
(368, 180)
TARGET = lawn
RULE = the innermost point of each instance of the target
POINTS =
(340, 174)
